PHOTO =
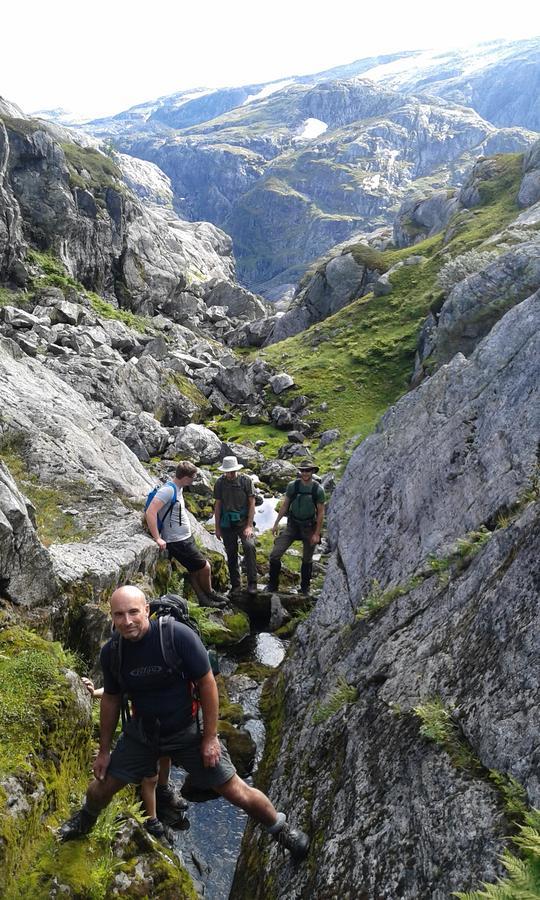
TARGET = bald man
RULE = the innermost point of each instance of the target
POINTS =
(163, 724)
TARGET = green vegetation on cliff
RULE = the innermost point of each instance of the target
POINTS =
(45, 739)
(356, 363)
(91, 170)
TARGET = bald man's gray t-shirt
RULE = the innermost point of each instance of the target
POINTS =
(176, 526)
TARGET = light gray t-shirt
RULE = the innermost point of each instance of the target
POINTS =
(176, 526)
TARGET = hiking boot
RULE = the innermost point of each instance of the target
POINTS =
(178, 822)
(252, 588)
(167, 799)
(293, 840)
(273, 581)
(305, 578)
(160, 831)
(213, 599)
(81, 823)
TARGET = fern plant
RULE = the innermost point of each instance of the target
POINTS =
(523, 880)
(343, 694)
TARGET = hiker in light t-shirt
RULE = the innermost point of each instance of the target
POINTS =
(303, 504)
(176, 534)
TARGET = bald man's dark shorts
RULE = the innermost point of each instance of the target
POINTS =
(135, 758)
(187, 553)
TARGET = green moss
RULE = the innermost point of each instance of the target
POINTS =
(230, 712)
(88, 866)
(254, 670)
(189, 390)
(272, 707)
(91, 170)
(107, 311)
(44, 741)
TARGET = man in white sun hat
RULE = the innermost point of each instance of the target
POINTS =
(234, 513)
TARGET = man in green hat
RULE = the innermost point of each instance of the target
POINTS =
(303, 504)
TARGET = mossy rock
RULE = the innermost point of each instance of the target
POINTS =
(45, 743)
(230, 712)
(233, 627)
(240, 745)
(119, 858)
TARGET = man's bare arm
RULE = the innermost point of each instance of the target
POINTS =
(151, 518)
(109, 714)
(208, 693)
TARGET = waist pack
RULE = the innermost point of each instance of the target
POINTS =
(232, 517)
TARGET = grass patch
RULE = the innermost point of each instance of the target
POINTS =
(444, 567)
(359, 361)
(189, 390)
(9, 297)
(378, 599)
(107, 311)
(91, 170)
(342, 695)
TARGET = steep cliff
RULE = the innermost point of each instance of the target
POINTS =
(426, 619)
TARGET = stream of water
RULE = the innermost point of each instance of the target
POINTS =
(210, 848)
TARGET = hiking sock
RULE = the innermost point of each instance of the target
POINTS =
(278, 824)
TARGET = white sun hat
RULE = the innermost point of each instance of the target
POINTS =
(230, 464)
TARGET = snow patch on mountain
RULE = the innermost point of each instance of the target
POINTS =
(269, 89)
(312, 128)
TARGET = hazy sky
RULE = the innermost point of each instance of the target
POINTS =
(103, 56)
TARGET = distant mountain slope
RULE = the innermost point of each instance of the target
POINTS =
(291, 168)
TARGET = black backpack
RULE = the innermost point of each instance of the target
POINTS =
(170, 608)
(314, 499)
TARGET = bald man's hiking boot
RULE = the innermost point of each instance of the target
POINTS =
(293, 840)
(79, 824)
(162, 833)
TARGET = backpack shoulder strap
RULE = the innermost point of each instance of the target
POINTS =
(167, 644)
(116, 656)
(116, 669)
(296, 489)
(315, 493)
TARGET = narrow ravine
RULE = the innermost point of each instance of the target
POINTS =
(210, 848)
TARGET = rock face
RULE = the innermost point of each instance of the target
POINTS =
(26, 572)
(334, 285)
(389, 812)
(74, 204)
